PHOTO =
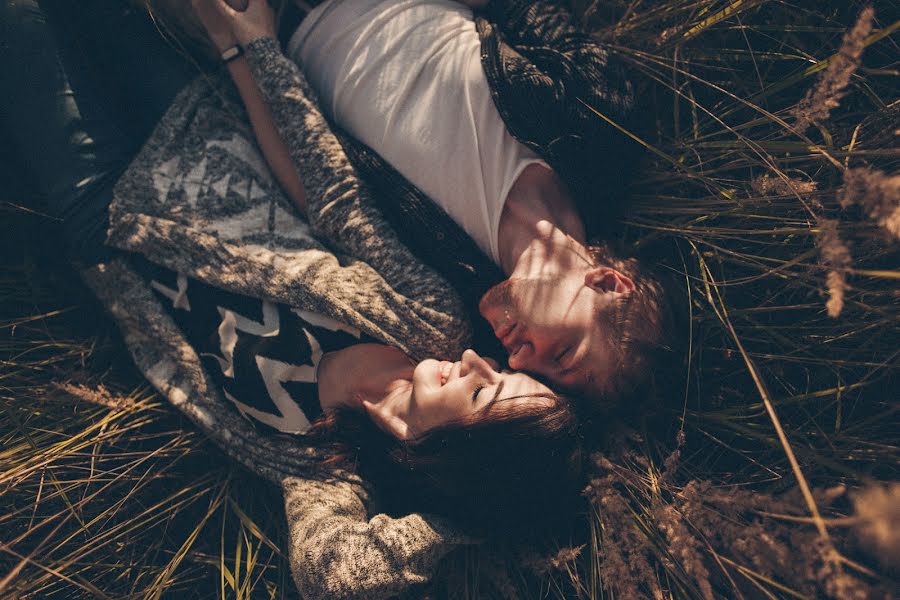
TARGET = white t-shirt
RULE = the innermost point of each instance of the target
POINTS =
(405, 78)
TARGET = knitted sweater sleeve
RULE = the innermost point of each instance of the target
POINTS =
(337, 552)
(341, 208)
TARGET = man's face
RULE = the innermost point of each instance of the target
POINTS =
(550, 325)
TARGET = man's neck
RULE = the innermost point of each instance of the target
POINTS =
(539, 225)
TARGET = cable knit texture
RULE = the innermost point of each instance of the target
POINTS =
(336, 553)
(199, 199)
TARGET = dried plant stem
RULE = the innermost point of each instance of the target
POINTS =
(779, 430)
(770, 409)
(749, 574)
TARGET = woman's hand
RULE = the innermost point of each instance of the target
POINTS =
(255, 22)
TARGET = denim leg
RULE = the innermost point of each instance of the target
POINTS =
(83, 85)
(73, 151)
(138, 71)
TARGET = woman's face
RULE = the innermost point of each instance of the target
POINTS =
(443, 392)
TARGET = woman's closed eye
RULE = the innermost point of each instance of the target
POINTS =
(478, 389)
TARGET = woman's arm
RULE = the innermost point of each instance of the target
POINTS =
(270, 141)
(340, 205)
(338, 553)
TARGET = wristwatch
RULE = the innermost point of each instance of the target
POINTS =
(230, 54)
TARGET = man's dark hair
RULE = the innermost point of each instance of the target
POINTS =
(647, 333)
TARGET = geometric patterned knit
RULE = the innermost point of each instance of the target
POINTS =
(262, 355)
(198, 201)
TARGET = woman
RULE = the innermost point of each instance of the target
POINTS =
(407, 79)
(431, 454)
(462, 438)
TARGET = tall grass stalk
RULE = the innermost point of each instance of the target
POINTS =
(769, 187)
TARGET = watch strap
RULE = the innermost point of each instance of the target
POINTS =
(232, 53)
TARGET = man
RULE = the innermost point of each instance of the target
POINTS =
(435, 95)
(423, 84)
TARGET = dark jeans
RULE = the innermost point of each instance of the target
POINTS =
(83, 84)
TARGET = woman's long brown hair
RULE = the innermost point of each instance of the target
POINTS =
(511, 469)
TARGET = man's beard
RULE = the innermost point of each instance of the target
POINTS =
(498, 296)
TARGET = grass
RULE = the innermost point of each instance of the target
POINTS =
(787, 423)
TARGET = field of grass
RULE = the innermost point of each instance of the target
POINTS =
(771, 180)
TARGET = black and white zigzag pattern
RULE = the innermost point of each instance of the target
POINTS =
(263, 355)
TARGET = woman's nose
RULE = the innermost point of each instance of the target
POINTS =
(472, 362)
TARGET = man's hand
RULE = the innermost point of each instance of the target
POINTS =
(255, 22)
(217, 26)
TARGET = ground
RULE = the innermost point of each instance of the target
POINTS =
(769, 189)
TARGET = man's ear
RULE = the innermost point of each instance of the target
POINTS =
(388, 423)
(607, 279)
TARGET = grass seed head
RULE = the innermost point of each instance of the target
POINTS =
(877, 511)
(832, 84)
(835, 257)
(877, 193)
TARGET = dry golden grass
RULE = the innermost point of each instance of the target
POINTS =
(771, 181)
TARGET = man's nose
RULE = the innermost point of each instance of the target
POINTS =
(530, 357)
(522, 356)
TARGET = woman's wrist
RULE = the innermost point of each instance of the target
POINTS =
(223, 42)
(248, 38)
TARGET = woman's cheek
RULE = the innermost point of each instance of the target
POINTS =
(440, 405)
